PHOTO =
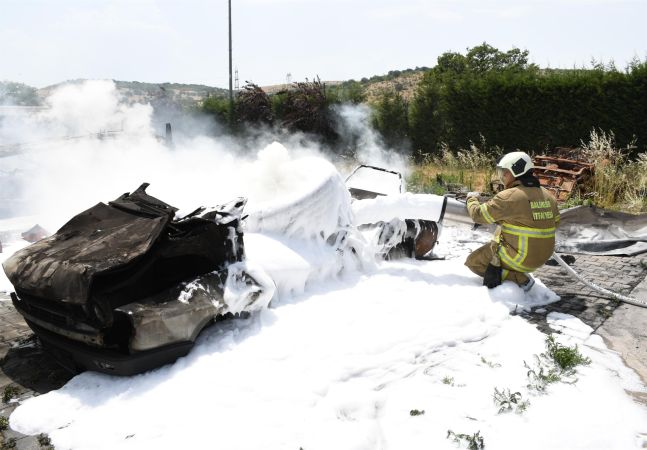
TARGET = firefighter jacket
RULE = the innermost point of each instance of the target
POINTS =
(527, 218)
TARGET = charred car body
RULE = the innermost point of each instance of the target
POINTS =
(124, 287)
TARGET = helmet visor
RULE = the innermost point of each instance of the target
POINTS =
(499, 172)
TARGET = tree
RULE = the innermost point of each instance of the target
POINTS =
(390, 118)
(218, 107)
(348, 92)
(452, 62)
(484, 58)
(13, 93)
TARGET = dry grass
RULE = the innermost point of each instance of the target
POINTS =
(619, 183)
(471, 169)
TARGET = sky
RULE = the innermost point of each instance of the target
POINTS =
(43, 42)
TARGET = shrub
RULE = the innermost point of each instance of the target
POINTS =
(619, 179)
(557, 363)
(516, 105)
(9, 393)
(474, 441)
(217, 107)
(4, 423)
(253, 106)
(507, 401)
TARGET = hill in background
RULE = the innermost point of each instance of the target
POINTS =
(189, 95)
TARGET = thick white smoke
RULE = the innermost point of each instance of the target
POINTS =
(368, 146)
(90, 146)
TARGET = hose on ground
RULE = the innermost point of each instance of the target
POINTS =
(615, 295)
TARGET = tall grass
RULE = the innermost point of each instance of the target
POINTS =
(472, 169)
(619, 182)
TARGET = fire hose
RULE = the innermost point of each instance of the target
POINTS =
(455, 211)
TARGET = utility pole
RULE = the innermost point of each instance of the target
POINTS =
(231, 91)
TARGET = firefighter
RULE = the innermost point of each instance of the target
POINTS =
(526, 215)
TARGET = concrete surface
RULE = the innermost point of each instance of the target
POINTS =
(626, 332)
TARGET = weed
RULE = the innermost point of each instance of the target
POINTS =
(461, 170)
(420, 182)
(606, 311)
(566, 358)
(541, 376)
(8, 444)
(557, 363)
(4, 423)
(643, 263)
(490, 364)
(618, 182)
(448, 380)
(474, 442)
(575, 200)
(44, 440)
(9, 393)
(507, 401)
(415, 412)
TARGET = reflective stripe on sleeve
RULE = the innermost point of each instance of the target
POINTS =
(486, 214)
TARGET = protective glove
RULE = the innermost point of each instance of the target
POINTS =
(492, 277)
(475, 195)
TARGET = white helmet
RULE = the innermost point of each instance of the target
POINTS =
(516, 162)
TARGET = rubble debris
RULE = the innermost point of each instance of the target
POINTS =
(35, 233)
(561, 176)
(574, 153)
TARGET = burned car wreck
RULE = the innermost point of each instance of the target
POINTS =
(123, 287)
(127, 286)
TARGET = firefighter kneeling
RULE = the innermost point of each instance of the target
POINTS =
(526, 215)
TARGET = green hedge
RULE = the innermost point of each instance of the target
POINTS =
(528, 109)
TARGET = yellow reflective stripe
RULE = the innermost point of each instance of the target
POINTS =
(486, 214)
(529, 232)
(504, 274)
(503, 254)
(519, 256)
(528, 229)
(522, 250)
